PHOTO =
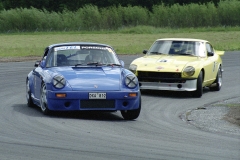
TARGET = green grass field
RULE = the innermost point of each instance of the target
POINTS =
(124, 42)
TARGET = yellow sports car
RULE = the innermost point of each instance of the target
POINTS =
(179, 64)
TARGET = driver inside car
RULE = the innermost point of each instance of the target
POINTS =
(97, 58)
(94, 57)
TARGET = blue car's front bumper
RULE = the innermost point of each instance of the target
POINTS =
(76, 100)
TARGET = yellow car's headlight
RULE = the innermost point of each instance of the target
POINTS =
(189, 71)
(133, 68)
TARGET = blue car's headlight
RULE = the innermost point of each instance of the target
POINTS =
(189, 71)
(131, 81)
(59, 81)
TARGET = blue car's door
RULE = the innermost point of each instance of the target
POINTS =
(37, 81)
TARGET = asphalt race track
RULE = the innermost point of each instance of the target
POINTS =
(158, 133)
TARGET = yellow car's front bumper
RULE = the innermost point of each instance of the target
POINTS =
(189, 85)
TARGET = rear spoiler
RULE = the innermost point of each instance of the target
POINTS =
(220, 53)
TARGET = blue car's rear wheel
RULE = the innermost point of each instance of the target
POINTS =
(28, 95)
(43, 100)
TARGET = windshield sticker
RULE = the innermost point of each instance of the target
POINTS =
(110, 50)
(94, 47)
(66, 48)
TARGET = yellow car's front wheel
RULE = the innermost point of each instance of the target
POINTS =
(199, 91)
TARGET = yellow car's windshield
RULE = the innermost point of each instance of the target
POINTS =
(177, 48)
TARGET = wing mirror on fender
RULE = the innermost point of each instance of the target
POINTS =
(40, 63)
(145, 51)
(37, 63)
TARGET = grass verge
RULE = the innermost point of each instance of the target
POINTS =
(125, 41)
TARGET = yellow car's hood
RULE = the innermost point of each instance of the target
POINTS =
(165, 63)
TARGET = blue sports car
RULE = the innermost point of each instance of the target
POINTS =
(83, 76)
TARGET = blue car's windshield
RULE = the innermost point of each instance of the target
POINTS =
(81, 56)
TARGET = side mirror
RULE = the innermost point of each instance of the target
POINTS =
(37, 63)
(145, 51)
(210, 54)
(122, 63)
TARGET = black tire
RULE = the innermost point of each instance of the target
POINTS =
(218, 81)
(198, 93)
(43, 100)
(131, 114)
(28, 95)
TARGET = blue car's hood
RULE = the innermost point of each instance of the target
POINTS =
(92, 78)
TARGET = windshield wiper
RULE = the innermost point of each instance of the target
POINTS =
(155, 53)
(113, 64)
(79, 64)
(94, 63)
(187, 54)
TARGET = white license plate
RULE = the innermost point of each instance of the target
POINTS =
(97, 95)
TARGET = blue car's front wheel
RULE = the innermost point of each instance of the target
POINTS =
(43, 100)
(131, 114)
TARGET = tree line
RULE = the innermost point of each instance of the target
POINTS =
(74, 5)
(93, 18)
